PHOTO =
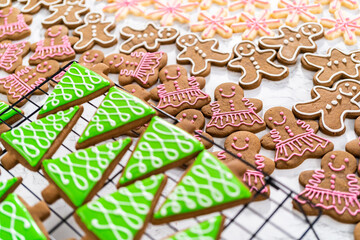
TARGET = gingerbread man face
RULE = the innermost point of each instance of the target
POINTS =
(280, 118)
(309, 29)
(246, 48)
(229, 92)
(195, 117)
(243, 144)
(138, 91)
(92, 57)
(56, 31)
(93, 18)
(187, 40)
(339, 162)
(168, 33)
(172, 73)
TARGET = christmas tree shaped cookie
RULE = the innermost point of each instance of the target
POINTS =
(9, 116)
(123, 214)
(162, 146)
(118, 113)
(78, 176)
(78, 85)
(208, 186)
(29, 144)
(8, 186)
(209, 230)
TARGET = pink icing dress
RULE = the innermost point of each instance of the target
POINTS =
(9, 28)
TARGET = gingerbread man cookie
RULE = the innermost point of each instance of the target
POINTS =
(95, 24)
(139, 66)
(291, 42)
(57, 45)
(333, 66)
(13, 24)
(246, 146)
(249, 5)
(33, 6)
(293, 140)
(335, 5)
(334, 188)
(178, 91)
(332, 105)
(11, 54)
(25, 79)
(68, 12)
(254, 64)
(149, 38)
(201, 54)
(232, 112)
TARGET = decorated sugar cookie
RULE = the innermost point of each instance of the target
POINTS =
(13, 24)
(206, 4)
(293, 140)
(334, 188)
(232, 112)
(8, 186)
(11, 54)
(248, 5)
(178, 91)
(101, 219)
(122, 8)
(208, 186)
(332, 105)
(335, 5)
(8, 115)
(31, 143)
(201, 54)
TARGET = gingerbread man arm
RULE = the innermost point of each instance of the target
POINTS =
(267, 142)
(201, 82)
(313, 124)
(73, 40)
(305, 176)
(275, 42)
(258, 104)
(313, 61)
(154, 94)
(269, 165)
(33, 47)
(28, 18)
(206, 110)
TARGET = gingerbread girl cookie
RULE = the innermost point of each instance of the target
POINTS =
(57, 45)
(95, 24)
(149, 38)
(332, 106)
(293, 140)
(246, 146)
(139, 66)
(201, 54)
(254, 64)
(232, 112)
(178, 91)
(333, 66)
(11, 54)
(334, 188)
(291, 42)
(13, 24)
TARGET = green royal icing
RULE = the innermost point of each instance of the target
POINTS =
(17, 222)
(10, 113)
(161, 144)
(118, 109)
(5, 186)
(122, 214)
(207, 230)
(34, 139)
(76, 174)
(78, 82)
(208, 183)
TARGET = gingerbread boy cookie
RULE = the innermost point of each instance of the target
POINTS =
(33, 6)
(334, 188)
(293, 140)
(139, 66)
(95, 24)
(149, 38)
(232, 112)
(57, 45)
(178, 91)
(292, 41)
(25, 79)
(201, 54)
(11, 54)
(332, 106)
(246, 146)
(254, 64)
(13, 24)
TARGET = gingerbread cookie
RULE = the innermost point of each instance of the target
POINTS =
(291, 42)
(210, 24)
(335, 5)
(13, 24)
(95, 23)
(253, 26)
(206, 4)
(249, 5)
(333, 188)
(357, 126)
(5, 3)
(8, 115)
(232, 112)
(149, 38)
(11, 54)
(33, 6)
(201, 54)
(8, 186)
(26, 79)
(353, 147)
(178, 91)
(293, 140)
(68, 12)
(122, 8)
(332, 105)
(246, 146)
(357, 229)
(254, 64)
(139, 66)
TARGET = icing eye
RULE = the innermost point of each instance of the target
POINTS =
(332, 156)
(346, 160)
(166, 72)
(270, 118)
(184, 115)
(96, 55)
(235, 139)
(282, 113)
(195, 116)
(247, 139)
(177, 69)
(87, 53)
(239, 155)
(233, 88)
(133, 90)
(220, 90)
(45, 63)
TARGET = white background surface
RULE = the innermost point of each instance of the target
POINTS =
(295, 88)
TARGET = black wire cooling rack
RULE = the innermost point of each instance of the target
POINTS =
(273, 218)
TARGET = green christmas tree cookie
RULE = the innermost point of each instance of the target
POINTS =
(78, 85)
(162, 146)
(119, 112)
(208, 186)
(79, 175)
(123, 214)
(31, 143)
(209, 230)
(8, 186)
(10, 116)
